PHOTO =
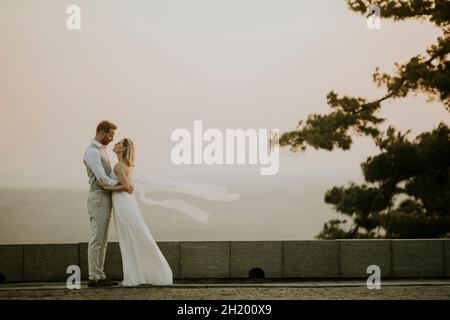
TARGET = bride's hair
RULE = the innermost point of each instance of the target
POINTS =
(128, 152)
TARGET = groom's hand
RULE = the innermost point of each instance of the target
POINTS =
(130, 189)
(101, 184)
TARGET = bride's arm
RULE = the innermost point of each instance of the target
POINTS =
(124, 185)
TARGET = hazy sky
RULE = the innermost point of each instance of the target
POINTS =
(154, 66)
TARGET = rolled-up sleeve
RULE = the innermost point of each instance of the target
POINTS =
(94, 162)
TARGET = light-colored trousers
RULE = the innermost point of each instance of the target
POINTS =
(99, 207)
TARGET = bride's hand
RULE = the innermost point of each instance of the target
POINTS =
(101, 184)
(130, 189)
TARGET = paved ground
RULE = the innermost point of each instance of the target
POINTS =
(438, 289)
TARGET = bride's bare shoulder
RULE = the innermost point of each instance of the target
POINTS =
(120, 167)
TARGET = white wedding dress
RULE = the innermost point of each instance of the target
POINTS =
(142, 260)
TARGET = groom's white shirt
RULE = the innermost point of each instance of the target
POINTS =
(92, 159)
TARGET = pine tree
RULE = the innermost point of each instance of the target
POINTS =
(417, 170)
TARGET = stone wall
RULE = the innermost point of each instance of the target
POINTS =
(237, 259)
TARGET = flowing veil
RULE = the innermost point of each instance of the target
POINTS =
(144, 182)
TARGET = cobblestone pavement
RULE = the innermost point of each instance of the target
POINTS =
(421, 290)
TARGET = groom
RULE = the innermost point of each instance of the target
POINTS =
(99, 203)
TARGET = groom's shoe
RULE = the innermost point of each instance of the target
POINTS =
(113, 283)
(99, 283)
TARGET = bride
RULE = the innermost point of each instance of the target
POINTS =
(143, 262)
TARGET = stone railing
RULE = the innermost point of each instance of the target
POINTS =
(240, 259)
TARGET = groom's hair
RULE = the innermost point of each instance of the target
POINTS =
(105, 126)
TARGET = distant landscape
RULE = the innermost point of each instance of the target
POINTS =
(60, 216)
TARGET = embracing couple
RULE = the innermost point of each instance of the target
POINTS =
(111, 191)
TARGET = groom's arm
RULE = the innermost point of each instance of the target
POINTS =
(94, 162)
